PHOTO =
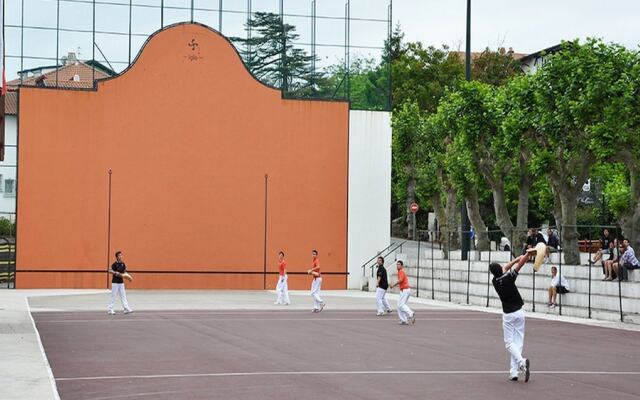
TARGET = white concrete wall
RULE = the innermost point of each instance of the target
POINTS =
(7, 169)
(369, 188)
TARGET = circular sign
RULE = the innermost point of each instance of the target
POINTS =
(414, 207)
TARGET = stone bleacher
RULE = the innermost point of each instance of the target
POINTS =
(605, 299)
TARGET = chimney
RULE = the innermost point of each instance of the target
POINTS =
(71, 58)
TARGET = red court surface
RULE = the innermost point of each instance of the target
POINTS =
(294, 354)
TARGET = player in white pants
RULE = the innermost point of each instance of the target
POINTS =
(504, 282)
(316, 284)
(404, 312)
(381, 288)
(117, 285)
(282, 289)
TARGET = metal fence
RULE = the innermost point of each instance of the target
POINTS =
(429, 263)
(7, 250)
(345, 39)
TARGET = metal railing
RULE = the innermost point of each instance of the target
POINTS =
(382, 253)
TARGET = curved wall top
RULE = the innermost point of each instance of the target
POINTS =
(189, 135)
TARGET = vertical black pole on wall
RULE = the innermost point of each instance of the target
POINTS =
(464, 216)
(161, 14)
(389, 60)
(266, 193)
(248, 30)
(109, 230)
(130, 16)
(620, 275)
(192, 11)
(468, 274)
(313, 43)
(348, 50)
(418, 271)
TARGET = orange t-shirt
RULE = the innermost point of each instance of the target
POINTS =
(403, 281)
(316, 267)
(281, 266)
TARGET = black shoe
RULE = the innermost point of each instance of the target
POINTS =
(514, 379)
(527, 370)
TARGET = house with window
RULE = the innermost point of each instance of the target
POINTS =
(71, 73)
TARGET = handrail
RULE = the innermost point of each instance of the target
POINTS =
(388, 251)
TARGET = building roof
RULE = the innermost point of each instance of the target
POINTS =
(537, 54)
(11, 103)
(64, 76)
(476, 54)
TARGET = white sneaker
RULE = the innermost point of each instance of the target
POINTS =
(276, 303)
(128, 311)
(111, 312)
(379, 314)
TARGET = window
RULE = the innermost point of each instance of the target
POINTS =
(1, 186)
(9, 187)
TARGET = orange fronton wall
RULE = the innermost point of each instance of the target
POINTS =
(189, 136)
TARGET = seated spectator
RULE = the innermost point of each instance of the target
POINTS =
(553, 243)
(558, 285)
(533, 238)
(614, 257)
(605, 240)
(628, 261)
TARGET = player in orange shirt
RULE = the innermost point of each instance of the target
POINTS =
(318, 303)
(404, 312)
(282, 288)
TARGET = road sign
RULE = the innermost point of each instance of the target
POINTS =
(414, 207)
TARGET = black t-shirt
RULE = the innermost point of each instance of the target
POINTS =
(382, 273)
(552, 241)
(508, 292)
(540, 238)
(532, 241)
(118, 267)
(605, 242)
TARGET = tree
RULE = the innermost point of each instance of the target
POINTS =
(579, 112)
(495, 67)
(271, 56)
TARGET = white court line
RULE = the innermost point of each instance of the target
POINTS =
(52, 380)
(110, 320)
(286, 373)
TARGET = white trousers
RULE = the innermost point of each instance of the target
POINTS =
(117, 289)
(315, 293)
(404, 312)
(282, 289)
(381, 299)
(513, 328)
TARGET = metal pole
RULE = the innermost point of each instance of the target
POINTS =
(511, 247)
(130, 16)
(348, 49)
(433, 293)
(418, 271)
(534, 290)
(192, 11)
(93, 49)
(313, 43)
(389, 60)
(620, 274)
(220, 16)
(21, 43)
(109, 230)
(449, 257)
(266, 192)
(465, 223)
(248, 31)
(560, 266)
(488, 277)
(589, 307)
(58, 36)
(468, 275)
(162, 14)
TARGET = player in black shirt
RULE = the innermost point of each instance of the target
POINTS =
(504, 282)
(381, 288)
(117, 285)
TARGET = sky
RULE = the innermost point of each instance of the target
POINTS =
(525, 25)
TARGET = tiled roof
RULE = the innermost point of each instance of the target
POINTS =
(11, 103)
(63, 77)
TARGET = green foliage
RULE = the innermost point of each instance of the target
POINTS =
(7, 228)
(495, 67)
